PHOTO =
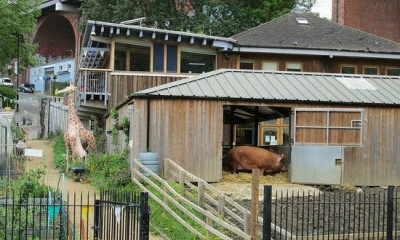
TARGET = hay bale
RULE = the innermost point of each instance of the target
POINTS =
(244, 177)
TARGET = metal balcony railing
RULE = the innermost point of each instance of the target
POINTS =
(93, 83)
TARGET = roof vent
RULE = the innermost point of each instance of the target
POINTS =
(356, 83)
(302, 21)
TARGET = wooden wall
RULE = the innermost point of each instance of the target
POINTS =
(188, 132)
(121, 86)
(322, 64)
(377, 163)
(191, 132)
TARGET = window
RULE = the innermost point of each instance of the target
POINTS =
(348, 69)
(270, 66)
(172, 58)
(275, 131)
(293, 67)
(139, 58)
(158, 57)
(60, 68)
(371, 70)
(247, 65)
(197, 62)
(393, 71)
(69, 67)
(120, 58)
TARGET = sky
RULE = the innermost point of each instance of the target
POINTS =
(324, 8)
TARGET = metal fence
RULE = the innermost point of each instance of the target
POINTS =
(110, 215)
(373, 214)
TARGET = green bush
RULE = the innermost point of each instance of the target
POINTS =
(59, 152)
(10, 94)
(31, 184)
(109, 170)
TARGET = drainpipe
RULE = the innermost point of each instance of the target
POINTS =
(148, 126)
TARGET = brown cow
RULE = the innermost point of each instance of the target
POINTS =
(247, 158)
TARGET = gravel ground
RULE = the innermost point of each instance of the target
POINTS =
(348, 213)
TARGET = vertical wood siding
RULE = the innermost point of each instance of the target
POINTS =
(188, 132)
(377, 162)
(123, 85)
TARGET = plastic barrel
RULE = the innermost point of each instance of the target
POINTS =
(151, 160)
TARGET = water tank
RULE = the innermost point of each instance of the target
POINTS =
(151, 160)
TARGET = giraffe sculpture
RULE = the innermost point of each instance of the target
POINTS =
(75, 128)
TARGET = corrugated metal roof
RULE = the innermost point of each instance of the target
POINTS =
(292, 86)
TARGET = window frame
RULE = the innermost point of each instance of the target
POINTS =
(269, 61)
(247, 61)
(371, 66)
(196, 50)
(289, 62)
(391, 67)
(348, 65)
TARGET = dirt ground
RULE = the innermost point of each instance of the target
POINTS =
(52, 175)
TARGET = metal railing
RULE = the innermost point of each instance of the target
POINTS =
(92, 83)
(373, 214)
(111, 215)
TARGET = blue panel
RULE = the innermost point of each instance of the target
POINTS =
(172, 58)
(158, 58)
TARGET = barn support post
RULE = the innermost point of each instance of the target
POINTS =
(255, 128)
(390, 209)
(232, 126)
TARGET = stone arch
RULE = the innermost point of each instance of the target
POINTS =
(56, 35)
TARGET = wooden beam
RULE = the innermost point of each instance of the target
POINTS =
(112, 54)
(255, 175)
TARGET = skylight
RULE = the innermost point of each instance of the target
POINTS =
(358, 83)
(302, 21)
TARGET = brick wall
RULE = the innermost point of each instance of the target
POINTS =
(378, 17)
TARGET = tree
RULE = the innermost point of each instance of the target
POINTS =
(213, 17)
(18, 21)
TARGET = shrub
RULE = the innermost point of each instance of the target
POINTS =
(8, 94)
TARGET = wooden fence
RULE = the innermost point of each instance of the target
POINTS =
(58, 116)
(215, 201)
(212, 220)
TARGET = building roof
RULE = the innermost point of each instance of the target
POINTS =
(250, 85)
(98, 35)
(306, 31)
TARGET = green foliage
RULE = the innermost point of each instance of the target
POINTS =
(114, 114)
(30, 184)
(213, 17)
(18, 21)
(109, 170)
(8, 93)
(59, 152)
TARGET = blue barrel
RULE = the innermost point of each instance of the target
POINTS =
(151, 160)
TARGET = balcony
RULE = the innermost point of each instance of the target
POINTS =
(110, 88)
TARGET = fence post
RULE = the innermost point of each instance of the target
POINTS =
(267, 212)
(200, 193)
(390, 213)
(144, 216)
(255, 175)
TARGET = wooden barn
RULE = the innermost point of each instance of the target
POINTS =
(341, 129)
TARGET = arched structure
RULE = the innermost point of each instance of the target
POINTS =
(57, 35)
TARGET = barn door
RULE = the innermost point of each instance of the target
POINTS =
(317, 165)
